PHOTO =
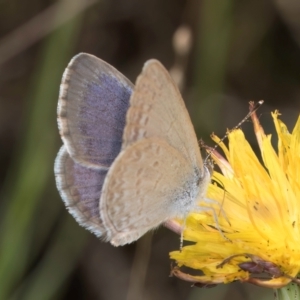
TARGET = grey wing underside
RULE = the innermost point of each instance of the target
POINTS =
(158, 110)
(148, 183)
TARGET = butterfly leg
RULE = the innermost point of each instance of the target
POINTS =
(211, 201)
(214, 214)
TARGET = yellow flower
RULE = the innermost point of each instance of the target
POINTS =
(257, 210)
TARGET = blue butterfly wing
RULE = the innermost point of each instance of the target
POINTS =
(93, 101)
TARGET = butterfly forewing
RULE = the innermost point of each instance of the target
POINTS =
(158, 110)
(93, 101)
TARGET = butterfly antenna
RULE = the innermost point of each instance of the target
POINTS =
(254, 106)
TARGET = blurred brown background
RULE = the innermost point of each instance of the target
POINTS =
(239, 51)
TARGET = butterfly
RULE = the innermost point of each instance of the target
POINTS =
(130, 158)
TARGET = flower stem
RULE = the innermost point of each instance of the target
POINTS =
(289, 292)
